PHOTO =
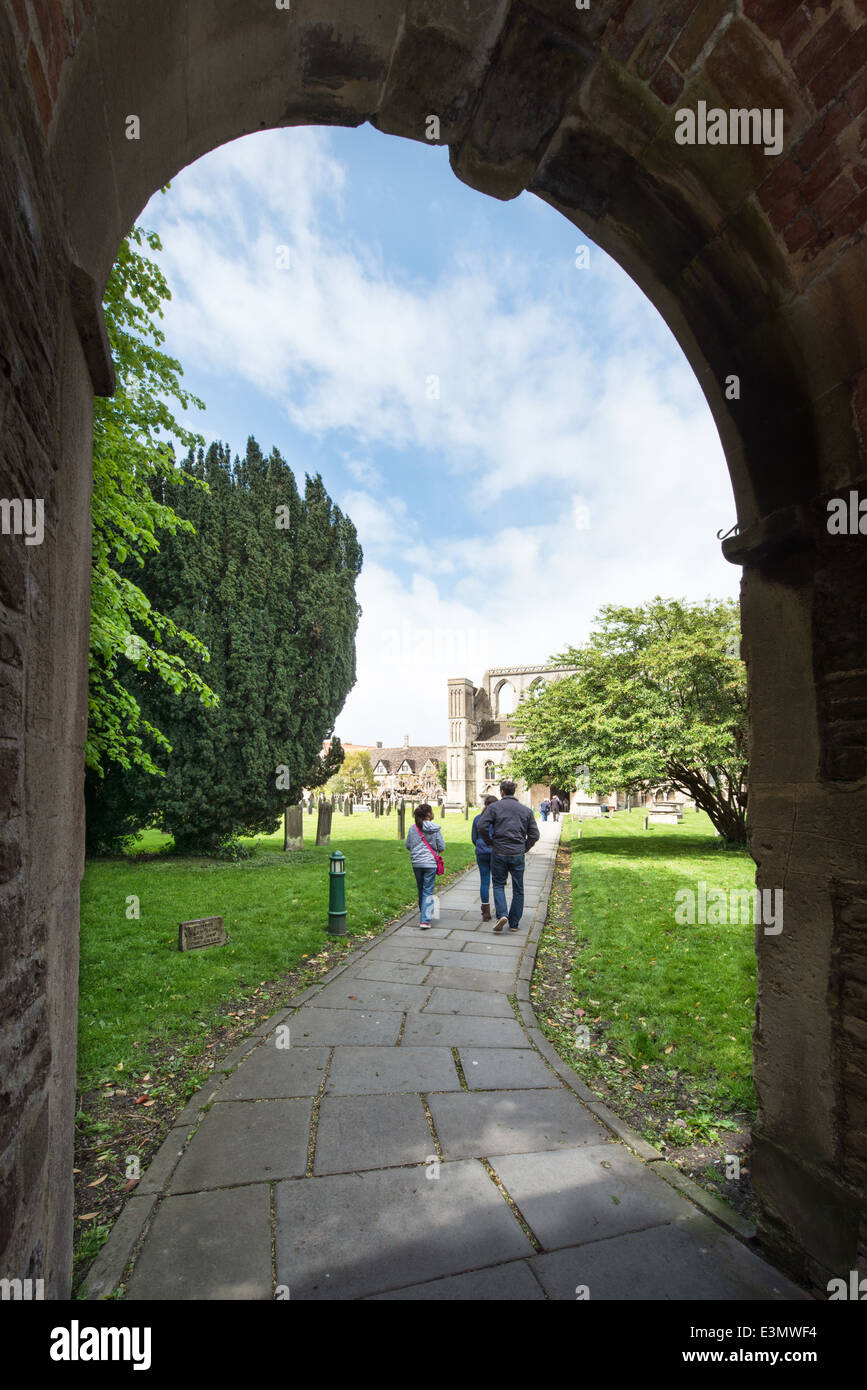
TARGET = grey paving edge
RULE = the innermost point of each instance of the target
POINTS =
(107, 1269)
(719, 1211)
(163, 1163)
(710, 1204)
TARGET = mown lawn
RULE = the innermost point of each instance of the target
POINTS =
(138, 992)
(655, 994)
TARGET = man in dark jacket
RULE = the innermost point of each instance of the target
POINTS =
(513, 831)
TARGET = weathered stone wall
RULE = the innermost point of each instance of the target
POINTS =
(46, 400)
(756, 263)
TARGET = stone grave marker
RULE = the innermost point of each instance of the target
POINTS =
(323, 824)
(401, 821)
(293, 827)
(200, 932)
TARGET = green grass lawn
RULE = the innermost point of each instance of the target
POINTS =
(137, 990)
(669, 996)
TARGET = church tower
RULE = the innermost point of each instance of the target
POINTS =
(460, 787)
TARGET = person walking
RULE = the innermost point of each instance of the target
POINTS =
(425, 844)
(513, 833)
(545, 808)
(556, 806)
(483, 859)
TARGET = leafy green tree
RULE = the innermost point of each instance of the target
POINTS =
(443, 776)
(357, 773)
(659, 696)
(266, 578)
(131, 450)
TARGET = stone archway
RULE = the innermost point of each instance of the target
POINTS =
(755, 263)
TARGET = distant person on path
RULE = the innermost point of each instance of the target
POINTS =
(556, 806)
(425, 841)
(483, 859)
(514, 832)
(545, 808)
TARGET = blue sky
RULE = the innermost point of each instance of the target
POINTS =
(517, 440)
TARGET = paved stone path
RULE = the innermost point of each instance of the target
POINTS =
(415, 1140)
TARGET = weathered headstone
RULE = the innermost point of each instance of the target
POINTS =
(401, 821)
(442, 810)
(293, 827)
(310, 806)
(201, 932)
(467, 811)
(323, 824)
(346, 805)
(389, 806)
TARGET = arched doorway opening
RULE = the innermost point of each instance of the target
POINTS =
(755, 262)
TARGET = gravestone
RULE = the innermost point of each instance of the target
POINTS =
(377, 808)
(346, 805)
(442, 810)
(201, 932)
(401, 821)
(467, 811)
(323, 824)
(310, 806)
(293, 827)
(389, 808)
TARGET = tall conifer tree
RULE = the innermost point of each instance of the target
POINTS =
(267, 583)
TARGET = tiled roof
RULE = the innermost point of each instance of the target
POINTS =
(416, 755)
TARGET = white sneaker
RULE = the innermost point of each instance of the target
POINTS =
(424, 926)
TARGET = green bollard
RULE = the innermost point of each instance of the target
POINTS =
(337, 895)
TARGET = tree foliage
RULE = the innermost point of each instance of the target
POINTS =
(659, 697)
(266, 578)
(131, 450)
(355, 775)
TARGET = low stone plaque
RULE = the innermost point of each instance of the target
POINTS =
(202, 931)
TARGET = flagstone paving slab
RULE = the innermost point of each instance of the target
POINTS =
(466, 960)
(496, 949)
(350, 1026)
(457, 1030)
(479, 1124)
(579, 1194)
(512, 1281)
(271, 1071)
(489, 1068)
(353, 1235)
(246, 1141)
(489, 1003)
(351, 992)
(408, 955)
(693, 1259)
(392, 972)
(375, 1070)
(207, 1245)
(459, 977)
(359, 1132)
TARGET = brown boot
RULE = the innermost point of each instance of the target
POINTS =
(486, 912)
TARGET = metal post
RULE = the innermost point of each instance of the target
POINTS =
(337, 894)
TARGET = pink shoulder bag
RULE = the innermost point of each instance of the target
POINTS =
(441, 868)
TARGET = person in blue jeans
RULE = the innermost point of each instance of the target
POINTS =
(513, 832)
(423, 838)
(483, 859)
(545, 807)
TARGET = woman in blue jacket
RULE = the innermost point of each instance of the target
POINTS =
(423, 839)
(483, 859)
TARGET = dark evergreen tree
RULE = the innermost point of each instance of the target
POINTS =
(267, 583)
